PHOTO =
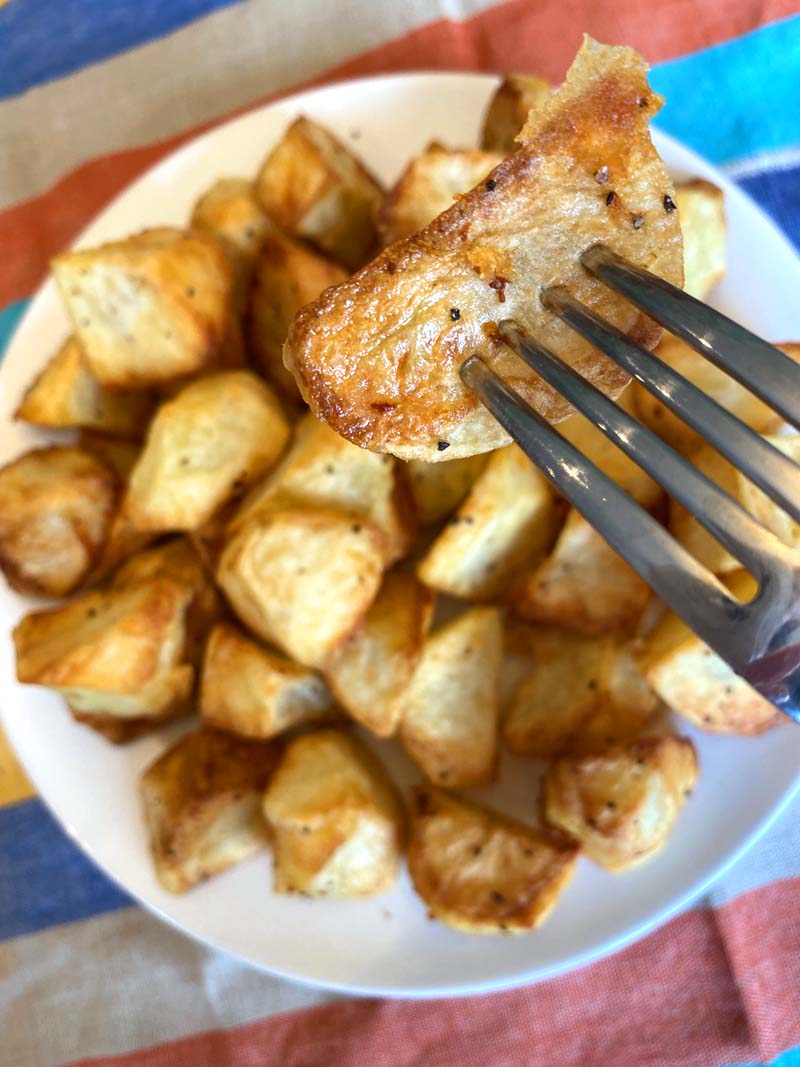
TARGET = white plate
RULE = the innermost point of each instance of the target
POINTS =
(387, 945)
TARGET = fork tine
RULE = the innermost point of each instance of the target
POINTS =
(676, 576)
(721, 515)
(771, 470)
(758, 365)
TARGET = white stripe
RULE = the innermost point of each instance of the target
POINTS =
(198, 73)
(121, 982)
(779, 159)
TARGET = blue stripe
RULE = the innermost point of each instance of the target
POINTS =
(738, 98)
(9, 317)
(44, 878)
(788, 1059)
(46, 39)
(778, 192)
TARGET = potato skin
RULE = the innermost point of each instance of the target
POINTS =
(56, 510)
(302, 580)
(148, 309)
(337, 820)
(480, 872)
(621, 804)
(251, 691)
(202, 802)
(313, 187)
(449, 723)
(216, 437)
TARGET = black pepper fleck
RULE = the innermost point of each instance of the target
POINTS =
(91, 613)
(643, 101)
(638, 222)
(669, 203)
(455, 314)
(601, 176)
(443, 446)
(477, 850)
(611, 197)
(491, 184)
(356, 528)
(498, 898)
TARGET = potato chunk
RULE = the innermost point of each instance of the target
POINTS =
(379, 356)
(481, 872)
(66, 394)
(581, 693)
(179, 560)
(611, 460)
(697, 540)
(153, 307)
(712, 381)
(450, 714)
(371, 673)
(202, 802)
(118, 651)
(312, 186)
(621, 804)
(231, 212)
(215, 438)
(302, 580)
(336, 817)
(287, 275)
(429, 185)
(508, 519)
(438, 488)
(322, 470)
(583, 584)
(56, 510)
(508, 110)
(701, 213)
(251, 691)
(696, 683)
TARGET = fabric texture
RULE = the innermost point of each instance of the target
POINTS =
(92, 94)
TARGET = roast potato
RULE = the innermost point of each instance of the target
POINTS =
(508, 110)
(438, 488)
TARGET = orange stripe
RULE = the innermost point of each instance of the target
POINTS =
(672, 998)
(516, 35)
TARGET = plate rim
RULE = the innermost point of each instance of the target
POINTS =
(691, 161)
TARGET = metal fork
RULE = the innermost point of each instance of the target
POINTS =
(759, 639)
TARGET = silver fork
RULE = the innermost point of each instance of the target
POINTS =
(759, 639)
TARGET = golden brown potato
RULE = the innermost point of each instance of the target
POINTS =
(701, 212)
(611, 460)
(508, 519)
(202, 803)
(212, 441)
(508, 110)
(66, 394)
(429, 185)
(712, 381)
(697, 540)
(118, 651)
(379, 356)
(438, 488)
(150, 308)
(696, 683)
(583, 585)
(371, 673)
(122, 731)
(56, 510)
(251, 691)
(178, 559)
(287, 275)
(303, 580)
(451, 708)
(337, 820)
(312, 186)
(481, 872)
(322, 470)
(115, 452)
(231, 212)
(581, 693)
(621, 804)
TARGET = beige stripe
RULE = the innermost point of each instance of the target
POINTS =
(205, 70)
(123, 981)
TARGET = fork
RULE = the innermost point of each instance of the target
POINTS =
(760, 639)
